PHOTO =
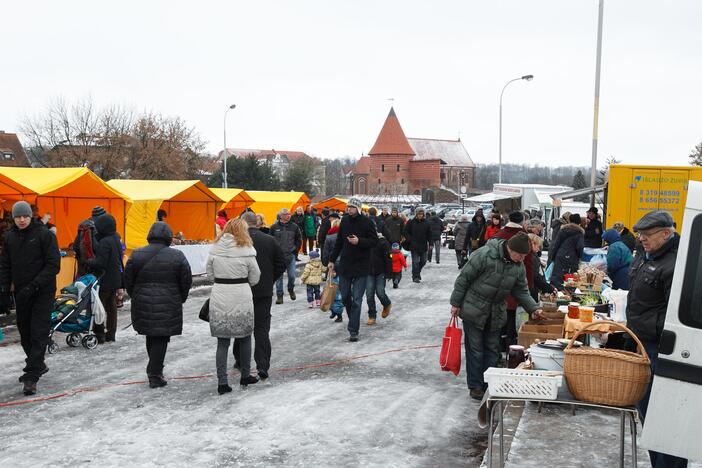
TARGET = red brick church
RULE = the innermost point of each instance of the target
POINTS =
(397, 165)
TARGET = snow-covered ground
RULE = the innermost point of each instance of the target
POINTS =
(382, 401)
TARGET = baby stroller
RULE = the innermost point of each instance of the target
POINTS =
(73, 314)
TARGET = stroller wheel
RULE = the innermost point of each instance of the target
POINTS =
(53, 347)
(90, 341)
(73, 340)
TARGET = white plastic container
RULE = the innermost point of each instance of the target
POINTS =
(547, 358)
(520, 383)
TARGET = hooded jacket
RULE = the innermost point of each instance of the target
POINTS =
(618, 259)
(628, 239)
(476, 230)
(398, 261)
(482, 287)
(158, 280)
(436, 225)
(108, 255)
(565, 252)
(231, 305)
(460, 235)
(312, 274)
(418, 233)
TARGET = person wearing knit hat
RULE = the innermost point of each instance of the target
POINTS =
(30, 263)
(85, 243)
(98, 211)
(479, 296)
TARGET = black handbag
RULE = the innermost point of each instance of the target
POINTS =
(205, 311)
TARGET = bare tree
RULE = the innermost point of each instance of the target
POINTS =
(696, 156)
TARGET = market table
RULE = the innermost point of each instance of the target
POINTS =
(196, 254)
(497, 404)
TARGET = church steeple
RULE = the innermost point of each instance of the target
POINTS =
(392, 139)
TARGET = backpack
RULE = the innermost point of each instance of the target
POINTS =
(85, 243)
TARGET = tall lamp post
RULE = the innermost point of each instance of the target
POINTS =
(224, 180)
(526, 78)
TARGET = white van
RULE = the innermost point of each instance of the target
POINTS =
(674, 418)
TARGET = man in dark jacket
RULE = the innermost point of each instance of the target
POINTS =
(158, 279)
(437, 227)
(30, 262)
(377, 220)
(271, 262)
(108, 263)
(380, 270)
(418, 235)
(651, 278)
(85, 242)
(323, 229)
(394, 227)
(476, 232)
(356, 238)
(289, 237)
(566, 250)
(593, 230)
(299, 220)
(626, 235)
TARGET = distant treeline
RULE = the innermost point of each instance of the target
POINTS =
(487, 174)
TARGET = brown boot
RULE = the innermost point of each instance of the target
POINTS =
(386, 311)
(371, 321)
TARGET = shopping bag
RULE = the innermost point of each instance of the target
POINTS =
(328, 294)
(450, 358)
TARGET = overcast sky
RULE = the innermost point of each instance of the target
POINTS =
(316, 76)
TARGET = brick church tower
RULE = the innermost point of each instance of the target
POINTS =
(390, 159)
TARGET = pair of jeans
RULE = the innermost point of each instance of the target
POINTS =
(262, 328)
(658, 460)
(419, 259)
(156, 347)
(352, 289)
(291, 278)
(313, 292)
(243, 350)
(435, 246)
(375, 286)
(482, 349)
(108, 298)
(33, 324)
(396, 278)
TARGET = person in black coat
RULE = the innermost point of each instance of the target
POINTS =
(418, 236)
(86, 228)
(476, 232)
(108, 263)
(324, 226)
(30, 262)
(356, 238)
(540, 285)
(566, 251)
(593, 230)
(437, 227)
(627, 237)
(158, 279)
(289, 237)
(271, 262)
(380, 270)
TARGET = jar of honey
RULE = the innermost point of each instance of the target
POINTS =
(586, 314)
(574, 310)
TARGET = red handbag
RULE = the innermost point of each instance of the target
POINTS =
(450, 358)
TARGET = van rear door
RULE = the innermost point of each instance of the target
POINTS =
(674, 419)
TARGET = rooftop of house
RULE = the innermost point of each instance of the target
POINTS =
(11, 151)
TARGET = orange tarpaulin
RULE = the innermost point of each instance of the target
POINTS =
(68, 194)
(270, 203)
(235, 200)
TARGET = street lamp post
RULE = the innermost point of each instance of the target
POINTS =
(526, 78)
(224, 157)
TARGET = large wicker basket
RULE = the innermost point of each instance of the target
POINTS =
(607, 376)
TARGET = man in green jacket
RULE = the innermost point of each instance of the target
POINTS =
(478, 298)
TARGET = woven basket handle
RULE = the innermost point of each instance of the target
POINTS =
(621, 327)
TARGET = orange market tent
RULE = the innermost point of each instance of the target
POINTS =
(270, 203)
(337, 203)
(190, 205)
(68, 194)
(235, 200)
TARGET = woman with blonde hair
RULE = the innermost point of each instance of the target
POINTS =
(232, 264)
(261, 224)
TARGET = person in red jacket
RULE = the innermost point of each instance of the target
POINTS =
(398, 263)
(221, 220)
(493, 227)
(513, 227)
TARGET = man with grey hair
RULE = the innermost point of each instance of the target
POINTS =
(289, 238)
(650, 282)
(271, 262)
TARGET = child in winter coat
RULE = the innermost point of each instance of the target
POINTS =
(398, 263)
(312, 277)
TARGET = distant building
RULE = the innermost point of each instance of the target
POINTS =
(281, 162)
(11, 151)
(397, 165)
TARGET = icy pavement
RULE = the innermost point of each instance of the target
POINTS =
(380, 402)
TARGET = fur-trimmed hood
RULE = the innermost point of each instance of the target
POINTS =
(573, 227)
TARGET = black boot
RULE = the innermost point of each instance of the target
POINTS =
(156, 381)
(292, 294)
(339, 319)
(332, 315)
(263, 375)
(250, 380)
(279, 299)
(30, 387)
(222, 389)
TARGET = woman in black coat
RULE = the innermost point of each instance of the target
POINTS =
(566, 251)
(158, 280)
(108, 263)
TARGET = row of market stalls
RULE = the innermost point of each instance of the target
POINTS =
(69, 194)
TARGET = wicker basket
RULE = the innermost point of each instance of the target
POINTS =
(607, 376)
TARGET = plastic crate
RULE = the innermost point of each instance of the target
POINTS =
(521, 383)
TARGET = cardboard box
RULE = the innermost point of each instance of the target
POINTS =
(533, 331)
